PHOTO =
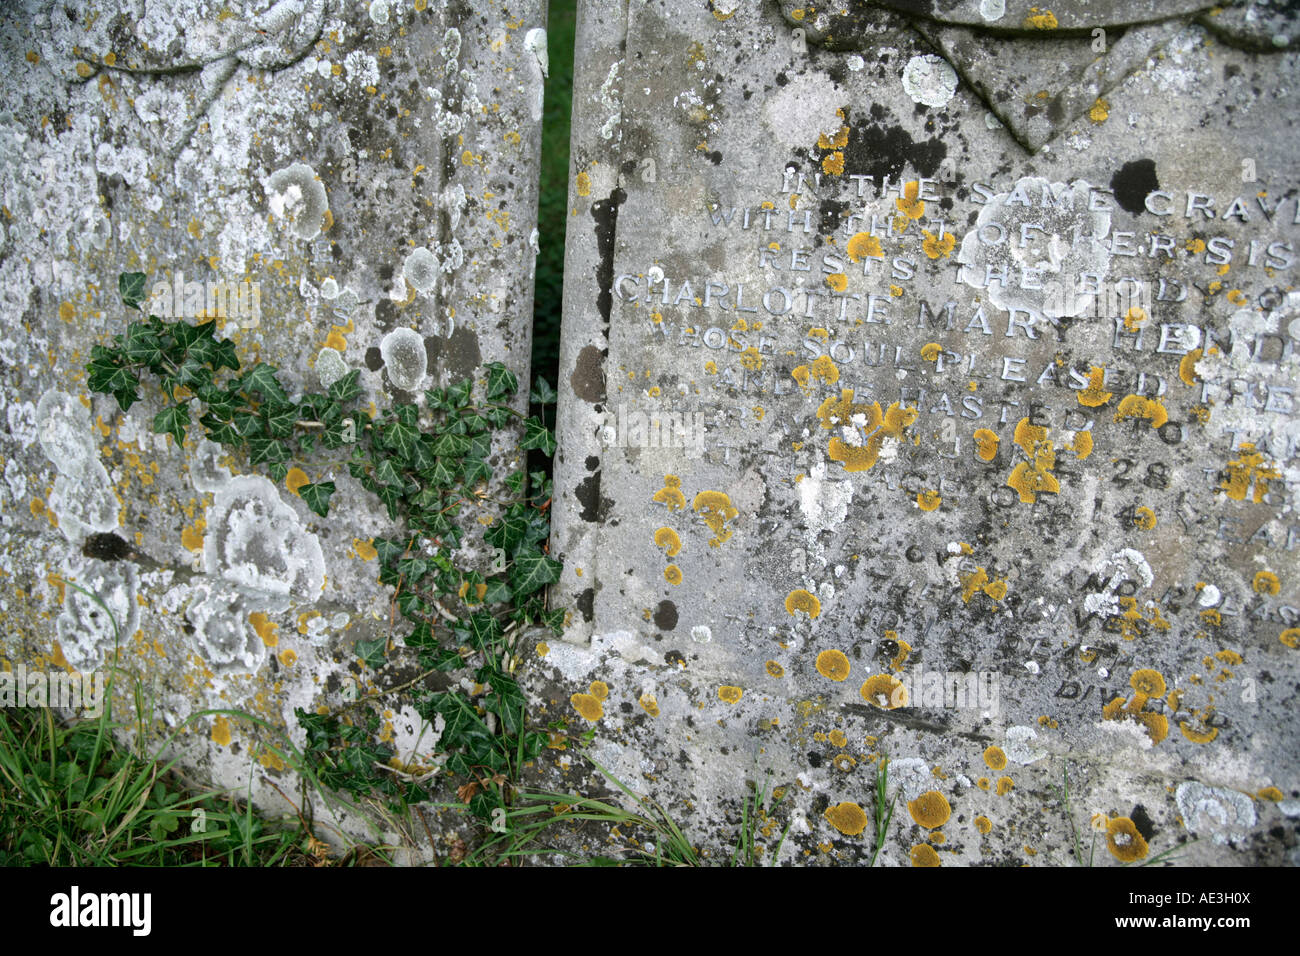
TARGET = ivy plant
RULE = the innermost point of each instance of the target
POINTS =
(424, 465)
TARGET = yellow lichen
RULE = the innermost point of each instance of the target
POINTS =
(935, 247)
(265, 628)
(1250, 468)
(1187, 367)
(833, 664)
(1266, 582)
(837, 281)
(774, 669)
(669, 540)
(930, 809)
(924, 855)
(1005, 786)
(863, 245)
(583, 184)
(977, 581)
(671, 494)
(649, 704)
(1124, 841)
(1094, 394)
(588, 706)
(221, 732)
(1135, 406)
(1290, 637)
(1272, 794)
(598, 689)
(1148, 682)
(984, 825)
(928, 500)
(833, 163)
(1046, 20)
(986, 444)
(729, 694)
(673, 575)
(1100, 111)
(716, 509)
(849, 818)
(995, 758)
(884, 691)
(1144, 518)
(801, 600)
(931, 351)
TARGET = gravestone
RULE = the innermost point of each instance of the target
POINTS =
(343, 186)
(928, 392)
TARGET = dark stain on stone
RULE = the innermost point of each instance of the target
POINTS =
(877, 151)
(374, 358)
(1142, 821)
(666, 616)
(385, 314)
(106, 547)
(1133, 183)
(715, 157)
(588, 378)
(605, 212)
(586, 604)
(592, 462)
(831, 215)
(674, 657)
(594, 507)
(459, 355)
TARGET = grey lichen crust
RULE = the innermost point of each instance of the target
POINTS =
(341, 186)
(992, 336)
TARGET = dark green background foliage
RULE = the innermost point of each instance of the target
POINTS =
(553, 199)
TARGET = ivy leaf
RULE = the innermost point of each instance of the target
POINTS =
(389, 551)
(515, 482)
(422, 636)
(143, 347)
(172, 420)
(507, 702)
(414, 568)
(317, 496)
(225, 356)
(480, 631)
(497, 416)
(401, 438)
(278, 470)
(436, 398)
(219, 431)
(247, 423)
(476, 470)
(533, 571)
(130, 286)
(451, 446)
(542, 393)
(537, 435)
(508, 531)
(498, 591)
(554, 619)
(279, 419)
(336, 435)
(372, 652)
(501, 382)
(458, 394)
(346, 388)
(388, 474)
(422, 456)
(480, 446)
(391, 497)
(264, 451)
(442, 474)
(186, 335)
(261, 378)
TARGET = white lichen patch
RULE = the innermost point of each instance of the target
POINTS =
(804, 109)
(420, 270)
(913, 776)
(1030, 244)
(405, 358)
(255, 542)
(330, 366)
(1218, 811)
(226, 641)
(91, 624)
(929, 80)
(824, 504)
(297, 196)
(1018, 748)
(83, 496)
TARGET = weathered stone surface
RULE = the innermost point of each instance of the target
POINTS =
(948, 414)
(369, 169)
